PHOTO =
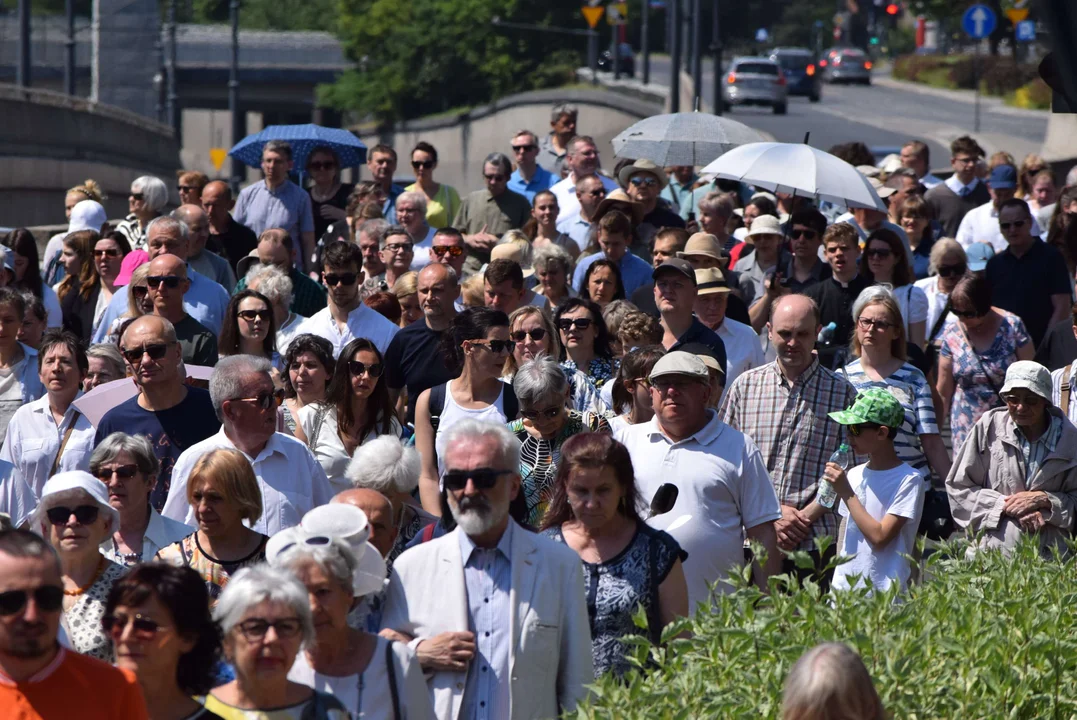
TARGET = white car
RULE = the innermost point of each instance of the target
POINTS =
(755, 81)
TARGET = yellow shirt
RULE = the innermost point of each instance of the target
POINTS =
(442, 208)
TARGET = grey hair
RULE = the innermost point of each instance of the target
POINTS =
(230, 375)
(614, 314)
(166, 223)
(282, 147)
(385, 464)
(154, 191)
(336, 558)
(393, 231)
(499, 160)
(551, 253)
(417, 198)
(508, 443)
(717, 202)
(563, 109)
(943, 247)
(375, 229)
(830, 680)
(137, 446)
(111, 355)
(261, 583)
(871, 295)
(272, 282)
(540, 379)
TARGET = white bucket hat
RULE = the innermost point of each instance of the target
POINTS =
(1029, 375)
(766, 225)
(67, 486)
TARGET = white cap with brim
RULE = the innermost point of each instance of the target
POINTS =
(63, 488)
(87, 215)
(1029, 375)
(680, 363)
(350, 524)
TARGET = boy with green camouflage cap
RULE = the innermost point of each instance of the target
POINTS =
(881, 500)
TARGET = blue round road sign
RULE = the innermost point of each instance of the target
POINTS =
(979, 21)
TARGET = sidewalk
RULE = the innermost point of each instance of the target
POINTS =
(988, 103)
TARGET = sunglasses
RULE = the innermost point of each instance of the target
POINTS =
(156, 351)
(496, 346)
(1017, 224)
(855, 430)
(144, 628)
(123, 472)
(596, 193)
(547, 414)
(399, 247)
(357, 368)
(808, 234)
(323, 166)
(266, 400)
(170, 281)
(423, 164)
(84, 514)
(878, 252)
(111, 252)
(252, 315)
(521, 335)
(950, 270)
(494, 178)
(967, 314)
(578, 323)
(522, 148)
(441, 250)
(644, 181)
(139, 291)
(48, 598)
(868, 324)
(482, 478)
(332, 279)
(137, 196)
(255, 629)
(185, 188)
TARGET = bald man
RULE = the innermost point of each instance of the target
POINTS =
(276, 247)
(379, 513)
(167, 282)
(226, 236)
(211, 265)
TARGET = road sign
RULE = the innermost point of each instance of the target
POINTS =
(979, 21)
(217, 156)
(592, 14)
(1026, 31)
(1017, 14)
(617, 13)
(761, 35)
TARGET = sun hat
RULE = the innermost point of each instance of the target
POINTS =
(710, 281)
(87, 215)
(618, 196)
(679, 362)
(881, 190)
(1029, 375)
(765, 225)
(67, 486)
(869, 171)
(707, 245)
(512, 251)
(642, 166)
(874, 405)
(131, 262)
(977, 254)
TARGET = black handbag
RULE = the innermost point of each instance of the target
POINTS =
(936, 521)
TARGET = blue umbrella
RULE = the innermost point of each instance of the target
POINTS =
(303, 139)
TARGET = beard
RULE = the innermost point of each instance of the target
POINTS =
(32, 644)
(476, 516)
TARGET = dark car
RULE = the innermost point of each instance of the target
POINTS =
(801, 72)
(848, 65)
(627, 59)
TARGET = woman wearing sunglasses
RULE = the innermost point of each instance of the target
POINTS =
(442, 201)
(249, 328)
(948, 265)
(138, 302)
(585, 341)
(357, 410)
(475, 349)
(631, 392)
(887, 263)
(157, 617)
(265, 620)
(545, 423)
(328, 195)
(75, 517)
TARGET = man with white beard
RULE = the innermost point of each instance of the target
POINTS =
(496, 614)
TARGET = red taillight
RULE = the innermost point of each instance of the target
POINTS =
(811, 68)
(781, 78)
(732, 78)
(867, 64)
(822, 63)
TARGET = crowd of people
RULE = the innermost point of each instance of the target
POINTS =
(394, 450)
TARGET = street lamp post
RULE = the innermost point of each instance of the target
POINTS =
(716, 62)
(238, 125)
(673, 8)
(23, 70)
(69, 48)
(697, 56)
(171, 109)
(645, 40)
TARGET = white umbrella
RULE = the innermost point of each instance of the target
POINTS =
(682, 138)
(800, 170)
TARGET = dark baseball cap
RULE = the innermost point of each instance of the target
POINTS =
(677, 265)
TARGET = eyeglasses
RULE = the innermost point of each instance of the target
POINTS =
(950, 270)
(482, 478)
(802, 233)
(878, 252)
(110, 252)
(156, 351)
(423, 164)
(144, 628)
(494, 178)
(137, 196)
(1026, 400)
(521, 335)
(123, 472)
(855, 430)
(139, 291)
(869, 324)
(967, 314)
(185, 188)
(441, 250)
(265, 400)
(645, 382)
(567, 324)
(1016, 224)
(357, 368)
(170, 281)
(252, 315)
(255, 629)
(84, 514)
(332, 279)
(496, 346)
(48, 598)
(323, 166)
(522, 148)
(399, 247)
(644, 181)
(547, 414)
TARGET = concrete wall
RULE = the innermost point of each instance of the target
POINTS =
(463, 141)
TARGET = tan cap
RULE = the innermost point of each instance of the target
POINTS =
(512, 251)
(705, 244)
(882, 190)
(679, 362)
(642, 165)
(618, 196)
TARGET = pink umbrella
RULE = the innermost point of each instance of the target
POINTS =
(103, 398)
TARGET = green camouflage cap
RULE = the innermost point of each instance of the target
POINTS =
(874, 405)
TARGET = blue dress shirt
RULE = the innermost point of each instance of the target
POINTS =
(542, 180)
(635, 271)
(488, 578)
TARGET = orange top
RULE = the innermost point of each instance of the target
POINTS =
(73, 686)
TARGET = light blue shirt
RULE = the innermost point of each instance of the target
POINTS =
(542, 180)
(635, 272)
(388, 210)
(488, 578)
(579, 230)
(205, 301)
(287, 207)
(679, 196)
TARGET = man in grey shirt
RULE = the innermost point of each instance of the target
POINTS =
(210, 264)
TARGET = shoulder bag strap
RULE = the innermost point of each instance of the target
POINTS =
(1066, 387)
(63, 444)
(979, 362)
(393, 690)
(939, 321)
(316, 429)
(654, 617)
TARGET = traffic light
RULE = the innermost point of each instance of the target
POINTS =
(893, 9)
(874, 40)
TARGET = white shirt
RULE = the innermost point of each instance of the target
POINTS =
(569, 205)
(724, 488)
(290, 479)
(742, 349)
(363, 322)
(912, 302)
(929, 181)
(957, 186)
(17, 500)
(329, 450)
(980, 224)
(900, 492)
(160, 532)
(33, 439)
(936, 302)
(1056, 391)
(287, 331)
(54, 314)
(421, 258)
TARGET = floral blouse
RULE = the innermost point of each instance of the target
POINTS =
(188, 553)
(600, 370)
(83, 621)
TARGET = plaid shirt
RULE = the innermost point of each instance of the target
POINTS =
(789, 423)
(1036, 452)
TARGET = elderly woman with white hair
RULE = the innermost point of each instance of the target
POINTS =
(411, 213)
(265, 619)
(74, 516)
(390, 466)
(148, 197)
(278, 288)
(545, 423)
(830, 681)
(948, 264)
(372, 676)
(553, 271)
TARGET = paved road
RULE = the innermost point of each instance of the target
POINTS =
(885, 116)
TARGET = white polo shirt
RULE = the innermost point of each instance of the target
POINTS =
(723, 488)
(363, 322)
(742, 348)
(33, 439)
(291, 480)
(980, 224)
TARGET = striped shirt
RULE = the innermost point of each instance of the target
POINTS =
(1056, 390)
(910, 388)
(488, 579)
(790, 423)
(1036, 452)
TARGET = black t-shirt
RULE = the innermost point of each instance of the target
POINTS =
(340, 200)
(234, 244)
(197, 342)
(1024, 285)
(1059, 346)
(835, 303)
(170, 431)
(413, 361)
(700, 333)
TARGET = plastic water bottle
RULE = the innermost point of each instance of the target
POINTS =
(827, 495)
(826, 334)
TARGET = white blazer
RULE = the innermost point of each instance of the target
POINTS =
(550, 657)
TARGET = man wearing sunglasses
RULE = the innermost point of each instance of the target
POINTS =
(506, 634)
(166, 285)
(644, 182)
(210, 264)
(289, 477)
(487, 214)
(529, 178)
(42, 679)
(981, 224)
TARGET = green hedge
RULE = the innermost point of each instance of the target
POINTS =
(981, 638)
